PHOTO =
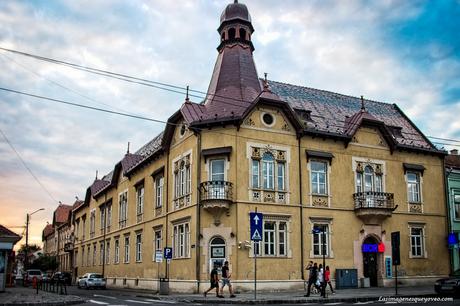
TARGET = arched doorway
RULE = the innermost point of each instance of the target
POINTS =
(370, 259)
(217, 252)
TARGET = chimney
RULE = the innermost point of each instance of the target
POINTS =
(454, 152)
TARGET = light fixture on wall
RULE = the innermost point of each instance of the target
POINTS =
(384, 232)
(362, 231)
(232, 235)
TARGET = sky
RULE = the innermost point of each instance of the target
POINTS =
(395, 51)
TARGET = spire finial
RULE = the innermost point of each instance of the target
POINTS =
(127, 151)
(96, 175)
(186, 96)
(266, 82)
(236, 1)
(363, 108)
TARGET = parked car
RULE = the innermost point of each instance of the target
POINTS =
(33, 273)
(91, 280)
(448, 285)
(64, 277)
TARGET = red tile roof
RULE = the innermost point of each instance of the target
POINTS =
(453, 161)
(48, 230)
(62, 213)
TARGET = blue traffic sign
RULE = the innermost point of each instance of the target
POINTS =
(168, 253)
(256, 225)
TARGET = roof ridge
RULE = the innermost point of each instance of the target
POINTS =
(330, 92)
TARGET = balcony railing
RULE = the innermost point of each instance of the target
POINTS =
(216, 190)
(374, 200)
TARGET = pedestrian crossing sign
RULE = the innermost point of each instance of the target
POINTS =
(256, 236)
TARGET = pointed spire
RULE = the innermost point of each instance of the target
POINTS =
(186, 96)
(127, 151)
(96, 175)
(363, 108)
(236, 1)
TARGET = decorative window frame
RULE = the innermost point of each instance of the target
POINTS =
(281, 154)
(138, 247)
(422, 226)
(182, 200)
(359, 162)
(122, 223)
(263, 113)
(414, 207)
(274, 218)
(92, 223)
(217, 157)
(176, 224)
(126, 250)
(328, 194)
(156, 247)
(116, 255)
(322, 221)
(140, 201)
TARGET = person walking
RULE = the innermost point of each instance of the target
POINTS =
(214, 278)
(226, 280)
(312, 276)
(320, 280)
(327, 279)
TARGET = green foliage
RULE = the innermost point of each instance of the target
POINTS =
(32, 248)
(45, 263)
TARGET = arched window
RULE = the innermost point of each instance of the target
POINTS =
(268, 170)
(242, 34)
(368, 178)
(223, 36)
(217, 241)
(231, 33)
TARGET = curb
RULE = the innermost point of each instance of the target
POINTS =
(75, 302)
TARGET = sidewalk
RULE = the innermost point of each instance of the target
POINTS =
(27, 296)
(295, 297)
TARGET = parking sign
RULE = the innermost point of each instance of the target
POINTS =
(168, 253)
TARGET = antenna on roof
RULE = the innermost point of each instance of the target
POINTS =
(363, 108)
(127, 151)
(60, 203)
(96, 175)
(76, 198)
(186, 96)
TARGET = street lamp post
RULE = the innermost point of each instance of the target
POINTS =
(26, 260)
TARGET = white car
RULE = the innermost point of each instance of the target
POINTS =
(91, 280)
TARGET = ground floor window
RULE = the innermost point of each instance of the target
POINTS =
(274, 238)
(417, 245)
(181, 240)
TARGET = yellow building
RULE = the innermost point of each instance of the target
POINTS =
(305, 158)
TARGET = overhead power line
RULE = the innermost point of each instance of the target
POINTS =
(27, 167)
(178, 89)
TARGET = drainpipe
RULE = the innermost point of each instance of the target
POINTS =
(198, 213)
(302, 265)
(105, 232)
(167, 209)
(447, 202)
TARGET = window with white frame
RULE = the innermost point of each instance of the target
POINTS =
(157, 243)
(123, 209)
(138, 247)
(88, 259)
(274, 239)
(181, 240)
(117, 251)
(320, 239)
(159, 181)
(102, 251)
(413, 187)
(102, 223)
(107, 252)
(94, 254)
(369, 178)
(217, 169)
(318, 177)
(182, 177)
(417, 245)
(83, 228)
(83, 256)
(139, 200)
(109, 216)
(268, 173)
(456, 201)
(92, 223)
(126, 257)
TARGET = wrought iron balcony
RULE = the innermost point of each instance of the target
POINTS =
(372, 205)
(216, 197)
(216, 190)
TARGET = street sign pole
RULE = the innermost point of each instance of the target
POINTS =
(256, 224)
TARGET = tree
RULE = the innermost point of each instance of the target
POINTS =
(32, 248)
(45, 263)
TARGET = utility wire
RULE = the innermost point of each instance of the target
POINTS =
(27, 167)
(138, 117)
(177, 89)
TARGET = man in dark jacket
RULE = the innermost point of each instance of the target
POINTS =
(313, 274)
(214, 282)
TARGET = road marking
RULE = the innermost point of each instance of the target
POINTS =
(135, 301)
(363, 303)
(338, 303)
(98, 302)
(105, 296)
(392, 302)
(161, 301)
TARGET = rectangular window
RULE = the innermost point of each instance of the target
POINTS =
(102, 251)
(255, 174)
(416, 242)
(94, 254)
(102, 218)
(140, 200)
(88, 259)
(92, 223)
(157, 242)
(117, 251)
(159, 191)
(281, 176)
(123, 209)
(126, 259)
(138, 247)
(318, 177)
(83, 229)
(268, 172)
(320, 236)
(413, 187)
(83, 256)
(456, 198)
(109, 216)
(181, 240)
(107, 252)
(217, 169)
(274, 239)
(182, 177)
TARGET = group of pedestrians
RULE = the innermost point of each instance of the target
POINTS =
(225, 281)
(318, 278)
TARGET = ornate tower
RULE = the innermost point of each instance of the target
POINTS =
(234, 83)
